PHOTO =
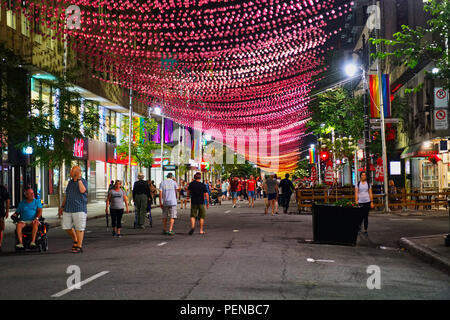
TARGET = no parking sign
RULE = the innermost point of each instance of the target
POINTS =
(440, 119)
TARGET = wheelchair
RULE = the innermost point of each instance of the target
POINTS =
(41, 235)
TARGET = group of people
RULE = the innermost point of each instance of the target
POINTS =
(73, 209)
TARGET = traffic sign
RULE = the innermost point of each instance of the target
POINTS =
(440, 119)
(440, 98)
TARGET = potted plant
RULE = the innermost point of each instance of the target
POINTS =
(337, 223)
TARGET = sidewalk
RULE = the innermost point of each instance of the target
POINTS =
(430, 249)
(95, 210)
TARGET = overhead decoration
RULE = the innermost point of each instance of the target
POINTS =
(228, 64)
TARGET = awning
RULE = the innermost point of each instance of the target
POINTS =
(419, 151)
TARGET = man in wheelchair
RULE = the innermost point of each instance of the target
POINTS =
(28, 213)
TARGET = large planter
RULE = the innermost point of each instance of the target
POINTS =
(336, 224)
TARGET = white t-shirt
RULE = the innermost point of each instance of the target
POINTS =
(169, 192)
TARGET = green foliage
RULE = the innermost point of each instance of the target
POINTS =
(53, 134)
(240, 170)
(422, 44)
(141, 149)
(339, 110)
(302, 170)
(345, 203)
(341, 148)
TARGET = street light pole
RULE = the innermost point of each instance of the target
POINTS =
(383, 133)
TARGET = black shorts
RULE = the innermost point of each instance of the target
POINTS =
(264, 194)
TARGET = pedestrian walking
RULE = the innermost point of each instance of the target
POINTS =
(111, 185)
(183, 194)
(154, 192)
(225, 185)
(287, 188)
(208, 189)
(364, 197)
(279, 199)
(5, 203)
(218, 188)
(271, 189)
(199, 196)
(115, 201)
(233, 190)
(259, 188)
(168, 202)
(251, 187)
(74, 209)
(141, 196)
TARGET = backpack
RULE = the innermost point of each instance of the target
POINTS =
(368, 184)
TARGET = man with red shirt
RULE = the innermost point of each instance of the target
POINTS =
(233, 190)
(251, 188)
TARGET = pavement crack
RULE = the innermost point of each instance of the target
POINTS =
(208, 271)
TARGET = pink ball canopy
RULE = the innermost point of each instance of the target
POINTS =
(229, 64)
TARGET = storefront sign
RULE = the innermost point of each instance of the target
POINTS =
(78, 148)
(169, 168)
(440, 119)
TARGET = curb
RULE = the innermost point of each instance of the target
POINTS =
(426, 254)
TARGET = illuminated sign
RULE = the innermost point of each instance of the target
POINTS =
(78, 148)
(27, 150)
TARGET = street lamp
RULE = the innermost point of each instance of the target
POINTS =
(350, 69)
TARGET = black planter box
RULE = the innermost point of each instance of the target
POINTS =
(336, 224)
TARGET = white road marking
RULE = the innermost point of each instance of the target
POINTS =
(161, 244)
(82, 283)
(235, 230)
(313, 260)
(228, 211)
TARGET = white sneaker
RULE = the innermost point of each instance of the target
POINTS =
(19, 245)
(234, 206)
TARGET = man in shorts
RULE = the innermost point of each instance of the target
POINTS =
(74, 209)
(30, 210)
(271, 189)
(5, 203)
(233, 189)
(168, 202)
(198, 194)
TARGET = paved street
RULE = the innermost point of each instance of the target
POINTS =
(244, 255)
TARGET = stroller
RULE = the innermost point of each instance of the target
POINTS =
(41, 235)
(214, 197)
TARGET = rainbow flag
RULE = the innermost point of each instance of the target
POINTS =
(312, 155)
(374, 87)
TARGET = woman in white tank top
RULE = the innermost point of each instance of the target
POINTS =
(364, 197)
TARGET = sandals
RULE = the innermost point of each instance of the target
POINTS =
(77, 249)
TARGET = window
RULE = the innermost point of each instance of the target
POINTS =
(11, 19)
(402, 13)
(25, 25)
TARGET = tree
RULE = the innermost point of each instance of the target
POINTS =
(337, 109)
(54, 128)
(142, 146)
(410, 46)
(302, 170)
